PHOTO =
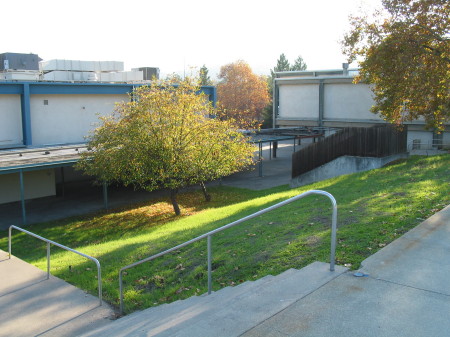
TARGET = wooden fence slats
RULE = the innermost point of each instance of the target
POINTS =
(380, 141)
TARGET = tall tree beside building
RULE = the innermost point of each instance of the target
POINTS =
(282, 65)
(163, 139)
(299, 64)
(204, 77)
(242, 95)
(404, 53)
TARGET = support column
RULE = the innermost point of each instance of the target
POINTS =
(63, 182)
(105, 195)
(22, 198)
(260, 160)
(321, 102)
(275, 103)
(26, 114)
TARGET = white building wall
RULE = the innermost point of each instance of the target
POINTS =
(65, 119)
(348, 101)
(299, 101)
(37, 184)
(446, 139)
(423, 138)
(10, 120)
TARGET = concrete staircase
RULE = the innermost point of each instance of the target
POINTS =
(31, 305)
(230, 311)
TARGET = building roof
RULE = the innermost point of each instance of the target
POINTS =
(30, 159)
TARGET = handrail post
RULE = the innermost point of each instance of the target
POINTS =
(209, 265)
(48, 260)
(9, 242)
(333, 235)
(99, 278)
(121, 292)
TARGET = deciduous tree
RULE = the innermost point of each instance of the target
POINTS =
(404, 53)
(242, 95)
(163, 139)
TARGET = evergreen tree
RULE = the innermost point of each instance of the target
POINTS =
(299, 64)
(204, 77)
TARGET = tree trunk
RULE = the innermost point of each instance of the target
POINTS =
(205, 193)
(173, 198)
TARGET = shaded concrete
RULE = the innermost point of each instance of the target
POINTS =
(343, 165)
(31, 305)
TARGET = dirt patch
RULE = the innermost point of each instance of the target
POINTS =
(313, 240)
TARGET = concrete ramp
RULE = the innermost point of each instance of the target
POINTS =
(31, 305)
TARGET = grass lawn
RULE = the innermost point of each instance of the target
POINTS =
(374, 208)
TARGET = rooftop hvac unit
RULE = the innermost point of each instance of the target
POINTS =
(76, 65)
(148, 72)
(16, 61)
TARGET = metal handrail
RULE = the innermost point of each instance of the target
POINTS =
(209, 234)
(99, 272)
(427, 145)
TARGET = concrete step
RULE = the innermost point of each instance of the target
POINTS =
(227, 312)
(175, 309)
(31, 305)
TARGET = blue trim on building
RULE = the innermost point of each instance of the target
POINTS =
(63, 88)
(8, 88)
(37, 166)
(26, 89)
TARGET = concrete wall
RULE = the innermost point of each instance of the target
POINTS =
(37, 184)
(299, 101)
(10, 120)
(65, 119)
(446, 139)
(342, 101)
(348, 101)
(343, 165)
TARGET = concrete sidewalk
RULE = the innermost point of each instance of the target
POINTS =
(405, 292)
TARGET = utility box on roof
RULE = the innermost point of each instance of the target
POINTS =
(16, 61)
(148, 72)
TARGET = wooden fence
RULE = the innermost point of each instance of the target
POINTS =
(377, 141)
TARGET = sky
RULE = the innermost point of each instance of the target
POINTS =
(180, 36)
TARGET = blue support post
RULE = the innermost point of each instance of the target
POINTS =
(22, 197)
(26, 114)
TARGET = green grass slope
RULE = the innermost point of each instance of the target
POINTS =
(374, 208)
